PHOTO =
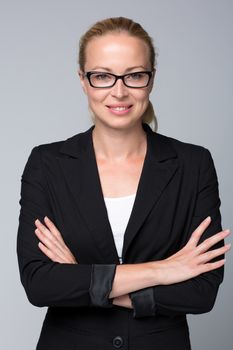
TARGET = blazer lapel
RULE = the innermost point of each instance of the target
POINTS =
(81, 173)
(159, 167)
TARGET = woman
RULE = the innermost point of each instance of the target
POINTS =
(119, 231)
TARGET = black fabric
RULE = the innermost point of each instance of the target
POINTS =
(178, 188)
(197, 295)
(143, 303)
(101, 284)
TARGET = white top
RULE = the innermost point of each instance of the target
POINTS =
(119, 211)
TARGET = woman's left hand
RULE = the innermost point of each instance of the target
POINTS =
(52, 244)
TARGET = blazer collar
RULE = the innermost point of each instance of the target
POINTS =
(81, 175)
(159, 146)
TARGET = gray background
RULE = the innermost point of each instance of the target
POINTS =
(41, 101)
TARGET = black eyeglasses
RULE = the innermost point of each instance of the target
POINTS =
(134, 80)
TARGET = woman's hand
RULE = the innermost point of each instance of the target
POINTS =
(123, 301)
(52, 244)
(193, 259)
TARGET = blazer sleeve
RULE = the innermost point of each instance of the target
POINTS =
(49, 283)
(198, 294)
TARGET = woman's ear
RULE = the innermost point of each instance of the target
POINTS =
(82, 80)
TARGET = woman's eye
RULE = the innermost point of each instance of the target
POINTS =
(135, 76)
(101, 76)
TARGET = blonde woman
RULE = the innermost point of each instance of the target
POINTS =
(120, 231)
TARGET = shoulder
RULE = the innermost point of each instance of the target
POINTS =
(52, 148)
(46, 154)
(185, 151)
(195, 161)
(71, 146)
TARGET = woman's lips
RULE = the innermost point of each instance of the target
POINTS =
(119, 109)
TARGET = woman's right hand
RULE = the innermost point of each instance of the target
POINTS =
(193, 259)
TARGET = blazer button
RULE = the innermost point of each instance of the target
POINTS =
(117, 342)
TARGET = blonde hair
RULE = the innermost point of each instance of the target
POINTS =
(121, 24)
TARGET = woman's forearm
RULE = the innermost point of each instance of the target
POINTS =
(131, 277)
(191, 261)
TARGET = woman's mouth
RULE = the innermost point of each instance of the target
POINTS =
(119, 109)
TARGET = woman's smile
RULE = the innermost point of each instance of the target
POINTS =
(119, 109)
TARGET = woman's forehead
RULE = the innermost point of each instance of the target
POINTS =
(118, 48)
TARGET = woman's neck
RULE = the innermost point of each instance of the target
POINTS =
(118, 144)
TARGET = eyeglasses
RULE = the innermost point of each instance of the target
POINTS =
(134, 80)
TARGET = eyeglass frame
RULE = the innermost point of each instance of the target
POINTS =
(117, 77)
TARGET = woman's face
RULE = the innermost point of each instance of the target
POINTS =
(118, 106)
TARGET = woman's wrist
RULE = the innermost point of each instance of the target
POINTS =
(158, 272)
(155, 272)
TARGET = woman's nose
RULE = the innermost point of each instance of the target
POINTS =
(119, 90)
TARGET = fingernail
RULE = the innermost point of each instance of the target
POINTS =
(227, 230)
(208, 218)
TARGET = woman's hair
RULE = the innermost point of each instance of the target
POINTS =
(118, 25)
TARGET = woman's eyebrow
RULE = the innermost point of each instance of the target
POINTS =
(135, 67)
(101, 68)
(110, 70)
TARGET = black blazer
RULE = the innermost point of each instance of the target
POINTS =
(178, 188)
